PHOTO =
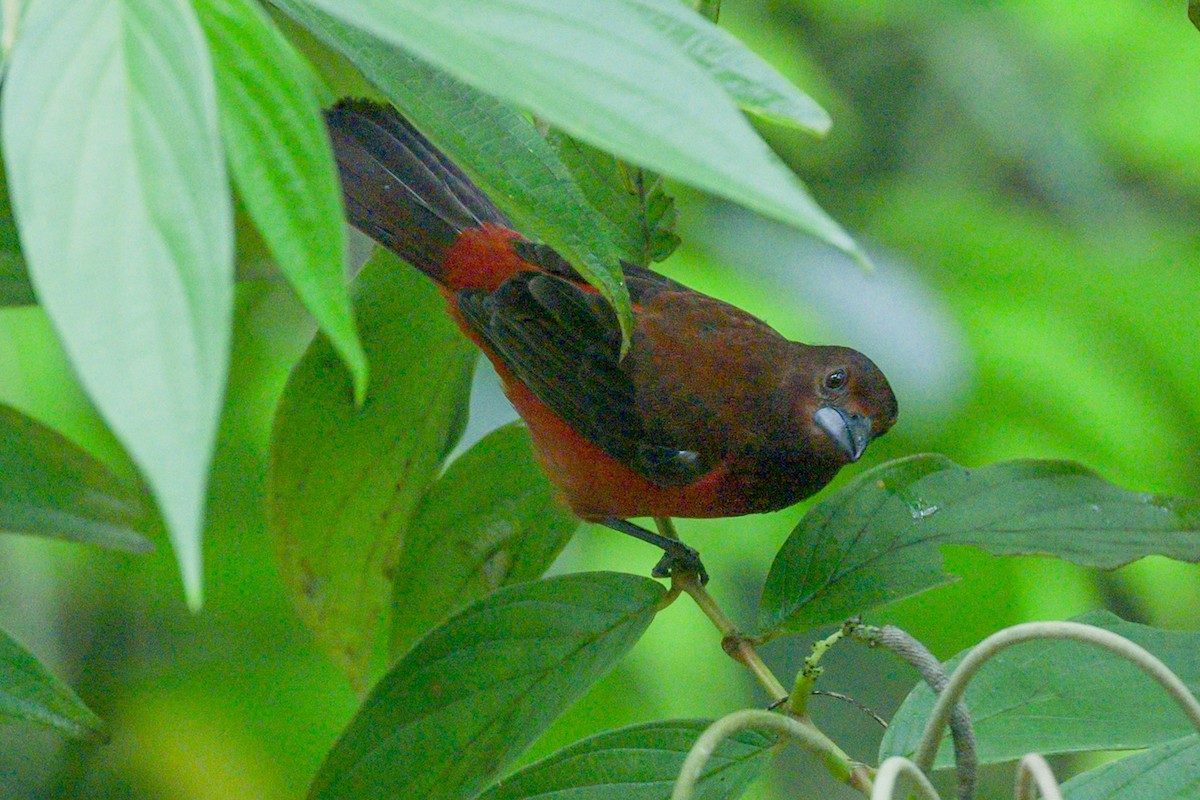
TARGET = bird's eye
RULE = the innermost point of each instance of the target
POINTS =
(835, 380)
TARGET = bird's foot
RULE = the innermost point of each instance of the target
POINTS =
(678, 560)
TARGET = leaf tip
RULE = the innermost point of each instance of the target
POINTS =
(360, 377)
(185, 540)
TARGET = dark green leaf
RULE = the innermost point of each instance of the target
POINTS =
(15, 288)
(876, 540)
(1062, 697)
(470, 696)
(1166, 771)
(345, 480)
(51, 487)
(754, 84)
(493, 519)
(632, 199)
(28, 692)
(282, 163)
(498, 147)
(640, 762)
(121, 196)
(602, 71)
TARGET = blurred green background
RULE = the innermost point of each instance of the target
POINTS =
(1026, 176)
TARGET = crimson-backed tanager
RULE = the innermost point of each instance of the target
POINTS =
(711, 413)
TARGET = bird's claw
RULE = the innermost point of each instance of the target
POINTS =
(678, 560)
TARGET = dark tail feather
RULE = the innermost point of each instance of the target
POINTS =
(399, 189)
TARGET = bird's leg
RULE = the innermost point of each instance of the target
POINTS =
(676, 554)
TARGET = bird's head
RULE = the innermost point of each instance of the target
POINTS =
(847, 402)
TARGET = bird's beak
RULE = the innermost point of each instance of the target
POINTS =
(850, 432)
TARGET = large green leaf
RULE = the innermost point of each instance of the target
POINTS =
(493, 519)
(1166, 771)
(603, 72)
(122, 201)
(499, 148)
(754, 84)
(640, 762)
(1062, 697)
(282, 162)
(51, 487)
(470, 696)
(345, 480)
(877, 539)
(28, 692)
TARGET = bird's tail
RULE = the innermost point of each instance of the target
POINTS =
(399, 189)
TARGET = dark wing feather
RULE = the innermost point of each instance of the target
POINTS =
(563, 342)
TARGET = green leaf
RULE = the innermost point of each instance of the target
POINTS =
(15, 288)
(470, 696)
(632, 199)
(51, 487)
(1166, 771)
(754, 84)
(283, 165)
(602, 72)
(345, 480)
(28, 692)
(121, 197)
(876, 540)
(1062, 697)
(492, 520)
(499, 148)
(639, 762)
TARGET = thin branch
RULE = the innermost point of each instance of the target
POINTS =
(845, 698)
(1033, 771)
(733, 642)
(909, 648)
(1086, 634)
(803, 733)
(889, 774)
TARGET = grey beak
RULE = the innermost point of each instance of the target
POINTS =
(850, 432)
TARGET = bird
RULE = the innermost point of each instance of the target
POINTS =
(709, 413)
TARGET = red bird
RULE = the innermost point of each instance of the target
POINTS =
(711, 413)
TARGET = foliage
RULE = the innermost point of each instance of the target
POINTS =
(1047, 226)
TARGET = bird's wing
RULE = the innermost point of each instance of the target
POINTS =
(563, 342)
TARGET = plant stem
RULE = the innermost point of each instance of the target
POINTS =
(1034, 773)
(1079, 632)
(807, 679)
(890, 772)
(804, 733)
(739, 647)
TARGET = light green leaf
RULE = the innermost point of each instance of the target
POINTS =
(121, 198)
(28, 692)
(283, 165)
(877, 539)
(1062, 697)
(640, 762)
(1167, 771)
(470, 696)
(499, 148)
(754, 84)
(492, 520)
(51, 487)
(602, 72)
(345, 480)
